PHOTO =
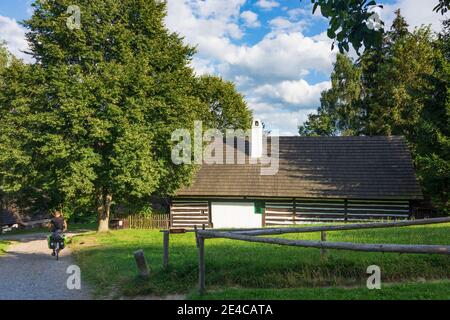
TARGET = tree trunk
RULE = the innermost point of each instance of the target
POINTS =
(104, 208)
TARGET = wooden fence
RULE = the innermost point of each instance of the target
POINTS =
(323, 245)
(154, 221)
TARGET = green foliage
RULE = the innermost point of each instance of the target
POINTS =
(433, 129)
(15, 94)
(4, 59)
(443, 6)
(400, 81)
(339, 113)
(228, 109)
(401, 88)
(349, 22)
(108, 97)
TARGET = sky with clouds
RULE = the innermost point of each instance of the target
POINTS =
(276, 51)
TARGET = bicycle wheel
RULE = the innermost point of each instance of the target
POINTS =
(57, 251)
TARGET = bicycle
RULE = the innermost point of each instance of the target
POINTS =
(56, 242)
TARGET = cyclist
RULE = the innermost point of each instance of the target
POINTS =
(57, 226)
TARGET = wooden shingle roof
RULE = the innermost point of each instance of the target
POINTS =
(318, 167)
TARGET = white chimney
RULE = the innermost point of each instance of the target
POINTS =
(256, 139)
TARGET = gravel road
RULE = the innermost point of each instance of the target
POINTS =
(29, 272)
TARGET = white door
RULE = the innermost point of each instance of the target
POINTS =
(235, 215)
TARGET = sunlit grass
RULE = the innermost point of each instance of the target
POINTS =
(407, 291)
(107, 261)
(3, 246)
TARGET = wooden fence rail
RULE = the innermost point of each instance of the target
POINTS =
(342, 227)
(251, 236)
(397, 248)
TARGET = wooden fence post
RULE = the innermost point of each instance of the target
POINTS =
(166, 249)
(264, 218)
(144, 271)
(200, 243)
(323, 238)
(201, 264)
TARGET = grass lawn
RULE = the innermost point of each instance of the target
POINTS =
(407, 291)
(265, 271)
(3, 245)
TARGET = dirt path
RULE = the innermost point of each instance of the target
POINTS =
(29, 272)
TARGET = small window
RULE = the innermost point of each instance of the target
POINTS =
(259, 206)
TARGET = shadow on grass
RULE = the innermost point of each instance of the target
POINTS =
(72, 228)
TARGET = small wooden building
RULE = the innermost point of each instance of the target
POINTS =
(319, 179)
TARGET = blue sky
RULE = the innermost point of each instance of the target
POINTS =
(275, 51)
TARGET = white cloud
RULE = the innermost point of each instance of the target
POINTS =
(286, 122)
(250, 19)
(282, 56)
(217, 9)
(276, 116)
(267, 4)
(416, 13)
(281, 24)
(270, 73)
(14, 36)
(299, 93)
(298, 12)
(286, 105)
(203, 66)
(210, 25)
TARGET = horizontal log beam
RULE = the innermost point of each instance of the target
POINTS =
(356, 226)
(395, 248)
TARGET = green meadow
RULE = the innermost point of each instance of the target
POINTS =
(246, 270)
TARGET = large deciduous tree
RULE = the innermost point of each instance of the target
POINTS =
(90, 122)
(95, 121)
(14, 98)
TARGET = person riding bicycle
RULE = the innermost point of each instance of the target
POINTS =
(57, 226)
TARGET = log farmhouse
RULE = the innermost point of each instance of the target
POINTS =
(318, 179)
